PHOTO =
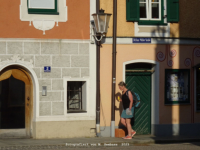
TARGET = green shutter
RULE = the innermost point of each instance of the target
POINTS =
(172, 10)
(132, 10)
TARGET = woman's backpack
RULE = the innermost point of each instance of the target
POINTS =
(136, 99)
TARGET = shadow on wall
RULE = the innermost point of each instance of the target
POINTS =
(166, 62)
(175, 119)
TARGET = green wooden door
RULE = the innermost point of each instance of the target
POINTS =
(141, 84)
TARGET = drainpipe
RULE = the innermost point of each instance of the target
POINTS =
(98, 81)
(114, 68)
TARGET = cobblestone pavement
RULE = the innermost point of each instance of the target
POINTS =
(109, 146)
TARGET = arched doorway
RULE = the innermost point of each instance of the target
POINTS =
(153, 71)
(138, 79)
(16, 92)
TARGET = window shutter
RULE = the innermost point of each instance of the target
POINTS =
(172, 10)
(132, 10)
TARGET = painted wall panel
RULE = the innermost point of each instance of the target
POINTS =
(186, 28)
(168, 114)
(77, 26)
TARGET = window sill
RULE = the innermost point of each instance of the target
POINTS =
(44, 13)
(76, 111)
(149, 30)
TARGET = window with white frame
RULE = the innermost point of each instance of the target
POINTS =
(76, 96)
(43, 14)
(150, 9)
(42, 7)
(152, 12)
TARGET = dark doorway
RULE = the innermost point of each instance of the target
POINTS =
(12, 104)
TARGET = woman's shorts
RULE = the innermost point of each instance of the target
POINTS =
(124, 115)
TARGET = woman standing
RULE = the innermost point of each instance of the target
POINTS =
(127, 100)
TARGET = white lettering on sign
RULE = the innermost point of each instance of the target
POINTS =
(141, 40)
(42, 4)
(47, 69)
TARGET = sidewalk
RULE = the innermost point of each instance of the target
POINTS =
(95, 141)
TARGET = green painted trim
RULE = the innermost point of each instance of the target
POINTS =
(43, 11)
(142, 22)
(176, 71)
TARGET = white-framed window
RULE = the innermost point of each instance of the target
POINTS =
(150, 9)
(43, 16)
(76, 97)
(42, 7)
(152, 12)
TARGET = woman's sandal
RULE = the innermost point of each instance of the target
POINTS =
(127, 137)
(133, 133)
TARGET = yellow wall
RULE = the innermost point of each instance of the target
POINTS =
(173, 114)
(124, 28)
(188, 25)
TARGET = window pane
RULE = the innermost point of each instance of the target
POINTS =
(74, 95)
(74, 104)
(45, 4)
(155, 0)
(74, 100)
(96, 23)
(155, 11)
(101, 22)
(142, 0)
(143, 10)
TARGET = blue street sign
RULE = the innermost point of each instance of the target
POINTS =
(47, 69)
(141, 40)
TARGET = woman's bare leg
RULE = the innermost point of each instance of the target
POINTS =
(129, 128)
(123, 121)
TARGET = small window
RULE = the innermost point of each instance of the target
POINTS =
(76, 96)
(152, 12)
(42, 7)
(150, 9)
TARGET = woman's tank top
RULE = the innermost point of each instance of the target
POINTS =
(125, 101)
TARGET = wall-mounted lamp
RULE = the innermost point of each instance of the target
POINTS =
(44, 91)
(101, 21)
(100, 28)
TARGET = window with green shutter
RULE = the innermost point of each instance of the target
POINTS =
(42, 7)
(152, 12)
